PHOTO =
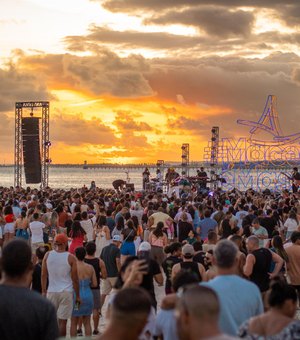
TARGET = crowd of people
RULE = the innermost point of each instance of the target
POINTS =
(229, 263)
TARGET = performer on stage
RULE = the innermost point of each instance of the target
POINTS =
(202, 175)
(119, 184)
(146, 177)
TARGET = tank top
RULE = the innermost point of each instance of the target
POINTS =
(95, 263)
(260, 274)
(157, 241)
(59, 272)
(191, 267)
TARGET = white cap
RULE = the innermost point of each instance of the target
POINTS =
(116, 238)
(145, 246)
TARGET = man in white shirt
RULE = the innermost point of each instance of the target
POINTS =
(36, 228)
(88, 224)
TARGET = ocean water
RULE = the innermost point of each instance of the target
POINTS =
(76, 177)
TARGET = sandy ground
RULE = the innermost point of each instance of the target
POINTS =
(159, 292)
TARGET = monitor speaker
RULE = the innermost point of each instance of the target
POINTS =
(31, 150)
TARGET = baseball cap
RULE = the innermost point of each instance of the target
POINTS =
(61, 239)
(145, 246)
(116, 238)
(188, 249)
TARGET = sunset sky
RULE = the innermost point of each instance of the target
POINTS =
(131, 80)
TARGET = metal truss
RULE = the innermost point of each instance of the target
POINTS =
(185, 158)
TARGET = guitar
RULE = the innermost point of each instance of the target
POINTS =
(296, 182)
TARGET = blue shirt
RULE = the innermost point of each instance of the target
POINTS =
(239, 301)
(205, 225)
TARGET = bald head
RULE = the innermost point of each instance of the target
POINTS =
(252, 243)
(200, 302)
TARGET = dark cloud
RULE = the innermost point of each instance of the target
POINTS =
(153, 5)
(126, 121)
(216, 21)
(296, 76)
(289, 14)
(20, 85)
(184, 123)
(75, 130)
(101, 73)
(131, 39)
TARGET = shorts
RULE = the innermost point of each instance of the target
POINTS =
(128, 248)
(107, 285)
(22, 233)
(9, 228)
(96, 298)
(157, 254)
(63, 303)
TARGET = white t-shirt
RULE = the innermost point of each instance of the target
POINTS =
(88, 226)
(291, 224)
(36, 228)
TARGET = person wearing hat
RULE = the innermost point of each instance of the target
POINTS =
(188, 264)
(60, 268)
(111, 258)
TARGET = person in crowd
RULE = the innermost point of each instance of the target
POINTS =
(60, 268)
(37, 270)
(278, 322)
(9, 227)
(77, 235)
(89, 223)
(128, 246)
(258, 264)
(128, 314)
(198, 313)
(101, 234)
(278, 248)
(293, 265)
(291, 224)
(237, 240)
(110, 255)
(36, 228)
(184, 227)
(158, 240)
(212, 239)
(165, 323)
(175, 251)
(188, 264)
(100, 272)
(231, 289)
(120, 226)
(206, 225)
(146, 177)
(83, 310)
(24, 314)
(260, 232)
(21, 226)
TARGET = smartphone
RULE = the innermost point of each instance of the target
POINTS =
(145, 256)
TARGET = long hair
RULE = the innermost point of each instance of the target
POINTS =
(158, 231)
(120, 224)
(77, 230)
(278, 246)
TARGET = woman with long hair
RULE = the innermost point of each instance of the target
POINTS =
(101, 234)
(277, 247)
(22, 226)
(128, 247)
(278, 322)
(77, 235)
(119, 227)
(158, 240)
(87, 279)
(139, 232)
